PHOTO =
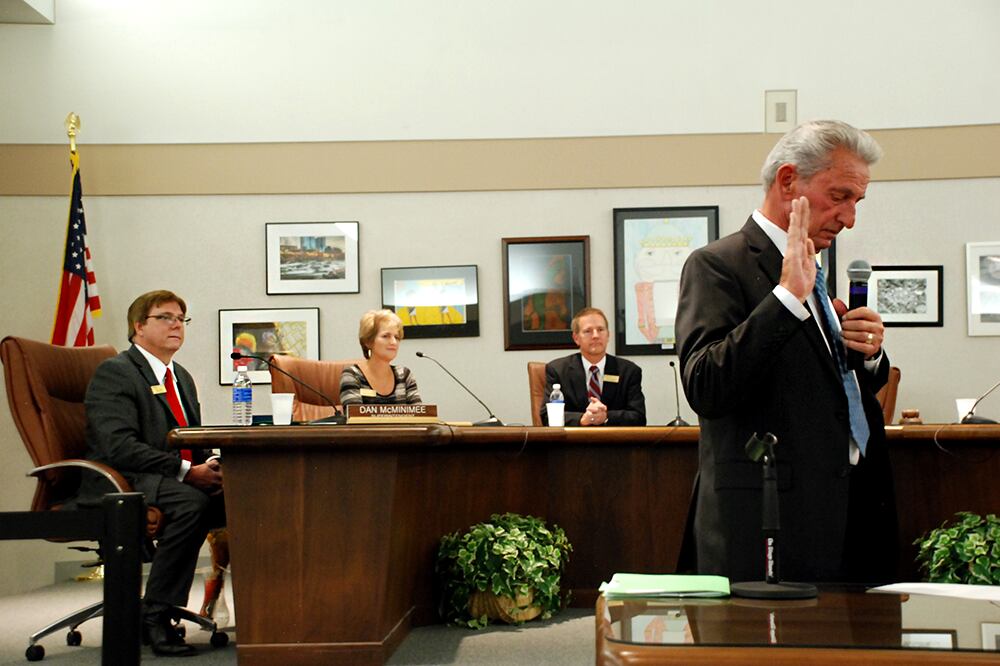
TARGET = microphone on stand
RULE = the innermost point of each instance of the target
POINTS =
(971, 416)
(677, 399)
(492, 420)
(858, 272)
(335, 418)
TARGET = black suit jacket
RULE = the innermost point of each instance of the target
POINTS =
(624, 400)
(749, 365)
(127, 423)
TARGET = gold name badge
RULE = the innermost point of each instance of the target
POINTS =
(157, 389)
(368, 393)
(613, 379)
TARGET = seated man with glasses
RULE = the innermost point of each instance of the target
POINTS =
(600, 389)
(133, 400)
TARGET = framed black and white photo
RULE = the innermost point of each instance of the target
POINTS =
(651, 246)
(312, 257)
(929, 639)
(433, 301)
(546, 280)
(290, 331)
(982, 270)
(907, 295)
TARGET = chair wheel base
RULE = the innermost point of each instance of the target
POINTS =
(74, 638)
(220, 639)
(34, 653)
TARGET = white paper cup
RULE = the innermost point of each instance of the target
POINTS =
(963, 405)
(281, 408)
(555, 413)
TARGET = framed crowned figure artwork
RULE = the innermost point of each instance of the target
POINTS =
(651, 246)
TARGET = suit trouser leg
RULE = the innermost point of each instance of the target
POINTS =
(871, 544)
(188, 515)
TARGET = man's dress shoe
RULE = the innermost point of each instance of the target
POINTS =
(163, 638)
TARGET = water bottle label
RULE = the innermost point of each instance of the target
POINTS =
(242, 395)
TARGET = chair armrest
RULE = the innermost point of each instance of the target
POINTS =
(116, 479)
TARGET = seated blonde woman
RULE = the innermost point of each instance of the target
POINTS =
(375, 380)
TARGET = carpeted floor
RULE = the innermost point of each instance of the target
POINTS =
(567, 639)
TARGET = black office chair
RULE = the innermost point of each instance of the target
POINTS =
(46, 385)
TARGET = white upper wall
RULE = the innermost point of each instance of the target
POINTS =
(179, 71)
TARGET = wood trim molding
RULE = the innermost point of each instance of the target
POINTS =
(466, 165)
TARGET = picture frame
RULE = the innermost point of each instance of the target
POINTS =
(907, 295)
(546, 280)
(433, 301)
(982, 278)
(929, 639)
(991, 635)
(312, 257)
(265, 332)
(651, 246)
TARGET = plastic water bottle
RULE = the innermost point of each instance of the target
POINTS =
(556, 407)
(242, 398)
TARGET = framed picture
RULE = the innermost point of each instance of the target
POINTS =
(312, 257)
(292, 331)
(929, 639)
(982, 275)
(908, 295)
(651, 246)
(991, 635)
(545, 281)
(434, 301)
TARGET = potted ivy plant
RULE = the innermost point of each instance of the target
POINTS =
(508, 568)
(965, 550)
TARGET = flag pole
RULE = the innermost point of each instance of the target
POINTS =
(78, 301)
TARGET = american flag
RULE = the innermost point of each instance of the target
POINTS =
(78, 299)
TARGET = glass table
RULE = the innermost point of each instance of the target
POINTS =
(841, 626)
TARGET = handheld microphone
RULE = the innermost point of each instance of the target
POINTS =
(677, 398)
(971, 416)
(492, 420)
(858, 272)
(335, 418)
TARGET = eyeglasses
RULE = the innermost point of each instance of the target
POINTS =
(170, 319)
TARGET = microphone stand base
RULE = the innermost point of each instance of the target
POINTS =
(678, 422)
(492, 421)
(759, 589)
(336, 419)
(972, 418)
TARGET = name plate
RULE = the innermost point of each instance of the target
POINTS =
(392, 413)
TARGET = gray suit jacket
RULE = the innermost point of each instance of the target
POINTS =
(127, 424)
(749, 365)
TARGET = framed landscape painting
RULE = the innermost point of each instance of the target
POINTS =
(312, 257)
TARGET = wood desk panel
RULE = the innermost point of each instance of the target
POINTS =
(333, 529)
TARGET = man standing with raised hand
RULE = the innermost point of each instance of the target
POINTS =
(133, 400)
(763, 349)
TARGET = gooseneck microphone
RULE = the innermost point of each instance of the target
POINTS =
(492, 420)
(335, 418)
(858, 272)
(971, 416)
(677, 399)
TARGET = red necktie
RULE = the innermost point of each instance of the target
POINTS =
(594, 386)
(175, 408)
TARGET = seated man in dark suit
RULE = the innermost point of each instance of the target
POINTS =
(133, 400)
(600, 389)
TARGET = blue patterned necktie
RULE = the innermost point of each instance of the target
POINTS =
(859, 424)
